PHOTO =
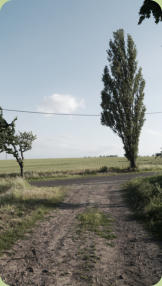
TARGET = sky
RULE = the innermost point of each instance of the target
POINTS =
(52, 56)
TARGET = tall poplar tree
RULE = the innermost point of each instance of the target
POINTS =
(123, 94)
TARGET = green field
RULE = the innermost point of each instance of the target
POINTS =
(61, 165)
(75, 165)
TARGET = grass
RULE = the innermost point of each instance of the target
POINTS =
(74, 167)
(97, 222)
(145, 197)
(61, 165)
(87, 258)
(22, 206)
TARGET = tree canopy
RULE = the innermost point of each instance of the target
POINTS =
(150, 7)
(13, 143)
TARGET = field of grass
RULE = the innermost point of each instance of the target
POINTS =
(144, 195)
(61, 165)
(51, 167)
(21, 206)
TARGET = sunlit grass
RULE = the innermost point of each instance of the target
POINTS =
(53, 166)
(21, 205)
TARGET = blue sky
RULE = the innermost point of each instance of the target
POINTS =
(52, 56)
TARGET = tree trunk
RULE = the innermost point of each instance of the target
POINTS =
(21, 169)
(133, 163)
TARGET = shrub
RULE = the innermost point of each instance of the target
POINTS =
(145, 197)
(103, 169)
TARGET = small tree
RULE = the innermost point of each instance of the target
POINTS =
(14, 144)
(150, 7)
(23, 142)
(122, 96)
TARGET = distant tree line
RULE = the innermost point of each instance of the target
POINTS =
(108, 156)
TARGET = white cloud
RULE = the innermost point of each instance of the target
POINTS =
(60, 103)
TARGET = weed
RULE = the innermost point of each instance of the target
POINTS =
(95, 221)
(87, 260)
(103, 169)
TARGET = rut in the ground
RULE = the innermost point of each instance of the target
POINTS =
(54, 254)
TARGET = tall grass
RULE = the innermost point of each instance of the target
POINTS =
(21, 206)
(145, 197)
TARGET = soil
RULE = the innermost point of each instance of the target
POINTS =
(53, 253)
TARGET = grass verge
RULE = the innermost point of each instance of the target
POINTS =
(144, 195)
(21, 206)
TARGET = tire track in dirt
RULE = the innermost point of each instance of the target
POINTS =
(47, 257)
(54, 254)
(136, 258)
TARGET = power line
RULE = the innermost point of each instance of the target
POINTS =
(65, 114)
(156, 112)
(49, 113)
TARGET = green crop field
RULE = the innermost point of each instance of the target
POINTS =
(77, 164)
(60, 165)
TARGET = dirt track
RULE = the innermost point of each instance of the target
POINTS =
(89, 180)
(54, 254)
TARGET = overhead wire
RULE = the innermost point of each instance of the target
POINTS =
(64, 114)
(49, 113)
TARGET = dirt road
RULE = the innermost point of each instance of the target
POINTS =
(54, 253)
(91, 179)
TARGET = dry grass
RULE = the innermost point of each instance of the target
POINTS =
(21, 206)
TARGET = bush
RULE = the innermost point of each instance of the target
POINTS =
(103, 169)
(145, 197)
(89, 172)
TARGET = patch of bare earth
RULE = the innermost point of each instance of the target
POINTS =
(55, 254)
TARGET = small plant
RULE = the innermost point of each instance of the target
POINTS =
(95, 221)
(89, 172)
(103, 169)
(87, 258)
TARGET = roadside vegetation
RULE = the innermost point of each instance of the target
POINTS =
(21, 206)
(144, 195)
